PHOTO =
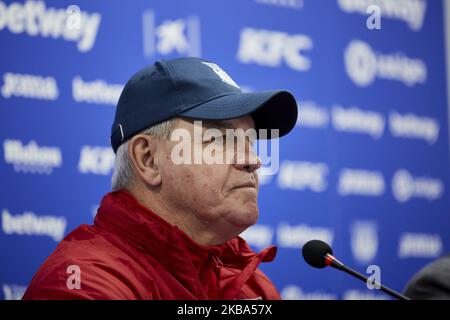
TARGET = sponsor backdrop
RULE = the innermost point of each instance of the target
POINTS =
(366, 169)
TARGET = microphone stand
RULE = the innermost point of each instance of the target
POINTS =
(335, 263)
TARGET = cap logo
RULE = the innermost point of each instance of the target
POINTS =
(222, 74)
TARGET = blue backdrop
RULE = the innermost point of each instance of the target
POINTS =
(366, 169)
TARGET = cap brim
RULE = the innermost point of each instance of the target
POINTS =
(269, 110)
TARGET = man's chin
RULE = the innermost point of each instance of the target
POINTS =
(246, 219)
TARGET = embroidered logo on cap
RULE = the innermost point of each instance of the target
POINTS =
(222, 74)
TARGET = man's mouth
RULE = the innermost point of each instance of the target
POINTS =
(249, 184)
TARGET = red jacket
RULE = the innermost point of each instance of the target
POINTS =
(131, 253)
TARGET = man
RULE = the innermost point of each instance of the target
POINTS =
(432, 282)
(170, 228)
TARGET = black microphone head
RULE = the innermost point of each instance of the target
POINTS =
(314, 253)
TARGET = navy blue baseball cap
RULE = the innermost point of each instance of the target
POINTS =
(196, 89)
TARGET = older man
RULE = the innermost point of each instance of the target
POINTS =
(170, 227)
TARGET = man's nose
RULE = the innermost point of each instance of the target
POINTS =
(249, 161)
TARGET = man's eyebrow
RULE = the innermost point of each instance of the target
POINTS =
(219, 124)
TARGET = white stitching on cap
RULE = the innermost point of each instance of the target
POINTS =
(121, 132)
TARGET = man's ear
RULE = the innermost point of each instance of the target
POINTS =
(142, 152)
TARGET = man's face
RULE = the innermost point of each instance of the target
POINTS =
(221, 197)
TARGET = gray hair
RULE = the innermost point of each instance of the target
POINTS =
(123, 168)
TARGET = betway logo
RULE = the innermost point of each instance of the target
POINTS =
(303, 176)
(31, 224)
(411, 126)
(270, 48)
(96, 160)
(405, 187)
(311, 115)
(293, 4)
(97, 91)
(360, 182)
(34, 19)
(354, 294)
(13, 291)
(354, 120)
(420, 245)
(293, 292)
(259, 235)
(364, 65)
(294, 237)
(31, 157)
(29, 86)
(410, 11)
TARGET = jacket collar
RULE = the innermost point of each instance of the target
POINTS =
(121, 214)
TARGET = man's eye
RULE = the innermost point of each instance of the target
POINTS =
(215, 138)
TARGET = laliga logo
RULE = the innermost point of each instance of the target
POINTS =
(363, 66)
(405, 187)
(402, 186)
(360, 63)
(364, 241)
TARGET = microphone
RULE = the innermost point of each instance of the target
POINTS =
(320, 255)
